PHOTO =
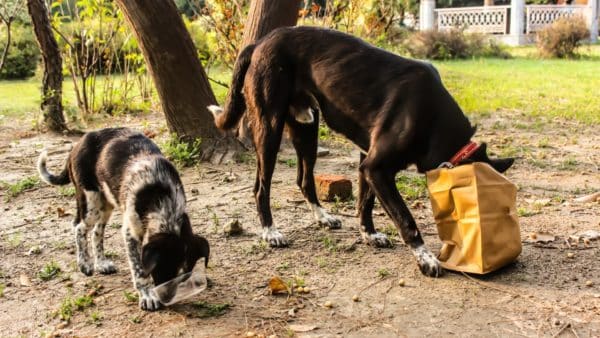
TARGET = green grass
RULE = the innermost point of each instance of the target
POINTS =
(411, 187)
(49, 271)
(15, 189)
(204, 309)
(549, 88)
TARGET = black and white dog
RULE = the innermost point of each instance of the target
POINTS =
(117, 167)
(396, 111)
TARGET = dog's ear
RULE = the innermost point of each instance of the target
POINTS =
(197, 247)
(480, 155)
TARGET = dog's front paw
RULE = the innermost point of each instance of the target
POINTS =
(106, 267)
(377, 239)
(274, 237)
(428, 263)
(324, 218)
(148, 301)
(86, 267)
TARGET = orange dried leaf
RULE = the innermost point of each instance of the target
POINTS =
(277, 285)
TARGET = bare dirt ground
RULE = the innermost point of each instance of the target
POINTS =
(552, 290)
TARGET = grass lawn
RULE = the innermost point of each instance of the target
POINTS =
(551, 88)
(548, 88)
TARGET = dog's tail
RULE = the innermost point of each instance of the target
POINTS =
(235, 105)
(60, 179)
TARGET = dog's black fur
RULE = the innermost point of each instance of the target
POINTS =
(117, 167)
(396, 110)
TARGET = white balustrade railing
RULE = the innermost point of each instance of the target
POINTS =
(539, 16)
(487, 19)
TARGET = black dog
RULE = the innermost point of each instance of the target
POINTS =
(395, 110)
(117, 167)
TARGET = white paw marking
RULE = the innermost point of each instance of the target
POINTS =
(149, 301)
(105, 266)
(428, 263)
(274, 237)
(377, 239)
(324, 218)
(215, 110)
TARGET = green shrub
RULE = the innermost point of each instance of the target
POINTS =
(562, 38)
(182, 153)
(23, 54)
(452, 44)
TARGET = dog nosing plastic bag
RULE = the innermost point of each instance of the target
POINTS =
(474, 208)
(182, 287)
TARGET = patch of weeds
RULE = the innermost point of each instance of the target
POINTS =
(114, 225)
(390, 231)
(96, 318)
(299, 282)
(544, 143)
(524, 212)
(324, 133)
(205, 309)
(2, 287)
(275, 205)
(136, 319)
(66, 191)
(538, 163)
(498, 126)
(15, 189)
(111, 254)
(131, 297)
(65, 311)
(568, 164)
(60, 245)
(256, 248)
(411, 187)
(83, 302)
(337, 204)
(15, 239)
(329, 242)
(283, 266)
(290, 162)
(383, 272)
(322, 262)
(49, 271)
(244, 157)
(182, 153)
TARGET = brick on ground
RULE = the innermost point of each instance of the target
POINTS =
(331, 185)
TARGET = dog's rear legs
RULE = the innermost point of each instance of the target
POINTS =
(305, 138)
(267, 139)
(103, 265)
(365, 203)
(381, 180)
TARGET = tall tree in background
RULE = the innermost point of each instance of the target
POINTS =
(51, 106)
(263, 17)
(9, 10)
(180, 80)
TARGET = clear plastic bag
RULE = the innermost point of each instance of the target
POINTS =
(183, 286)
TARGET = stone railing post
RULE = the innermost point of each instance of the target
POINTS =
(427, 15)
(592, 19)
(517, 22)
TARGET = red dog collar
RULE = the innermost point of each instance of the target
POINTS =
(464, 153)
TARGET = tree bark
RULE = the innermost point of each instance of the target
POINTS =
(263, 17)
(266, 15)
(180, 80)
(52, 108)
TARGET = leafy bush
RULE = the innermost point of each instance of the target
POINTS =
(182, 153)
(23, 54)
(452, 44)
(562, 38)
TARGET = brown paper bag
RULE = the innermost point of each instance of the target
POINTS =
(474, 207)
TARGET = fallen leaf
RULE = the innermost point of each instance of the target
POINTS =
(541, 237)
(302, 328)
(277, 285)
(61, 212)
(24, 280)
(149, 133)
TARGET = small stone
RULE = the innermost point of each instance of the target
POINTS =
(401, 282)
(233, 228)
(306, 289)
(328, 304)
(195, 191)
(322, 151)
(355, 298)
(250, 334)
(292, 312)
(570, 255)
(589, 283)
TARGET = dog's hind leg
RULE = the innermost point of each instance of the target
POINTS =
(305, 138)
(381, 179)
(87, 216)
(103, 265)
(365, 203)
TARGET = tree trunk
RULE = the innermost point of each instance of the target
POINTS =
(51, 106)
(266, 15)
(263, 17)
(5, 52)
(179, 78)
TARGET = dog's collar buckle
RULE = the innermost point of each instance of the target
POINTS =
(464, 153)
(446, 165)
